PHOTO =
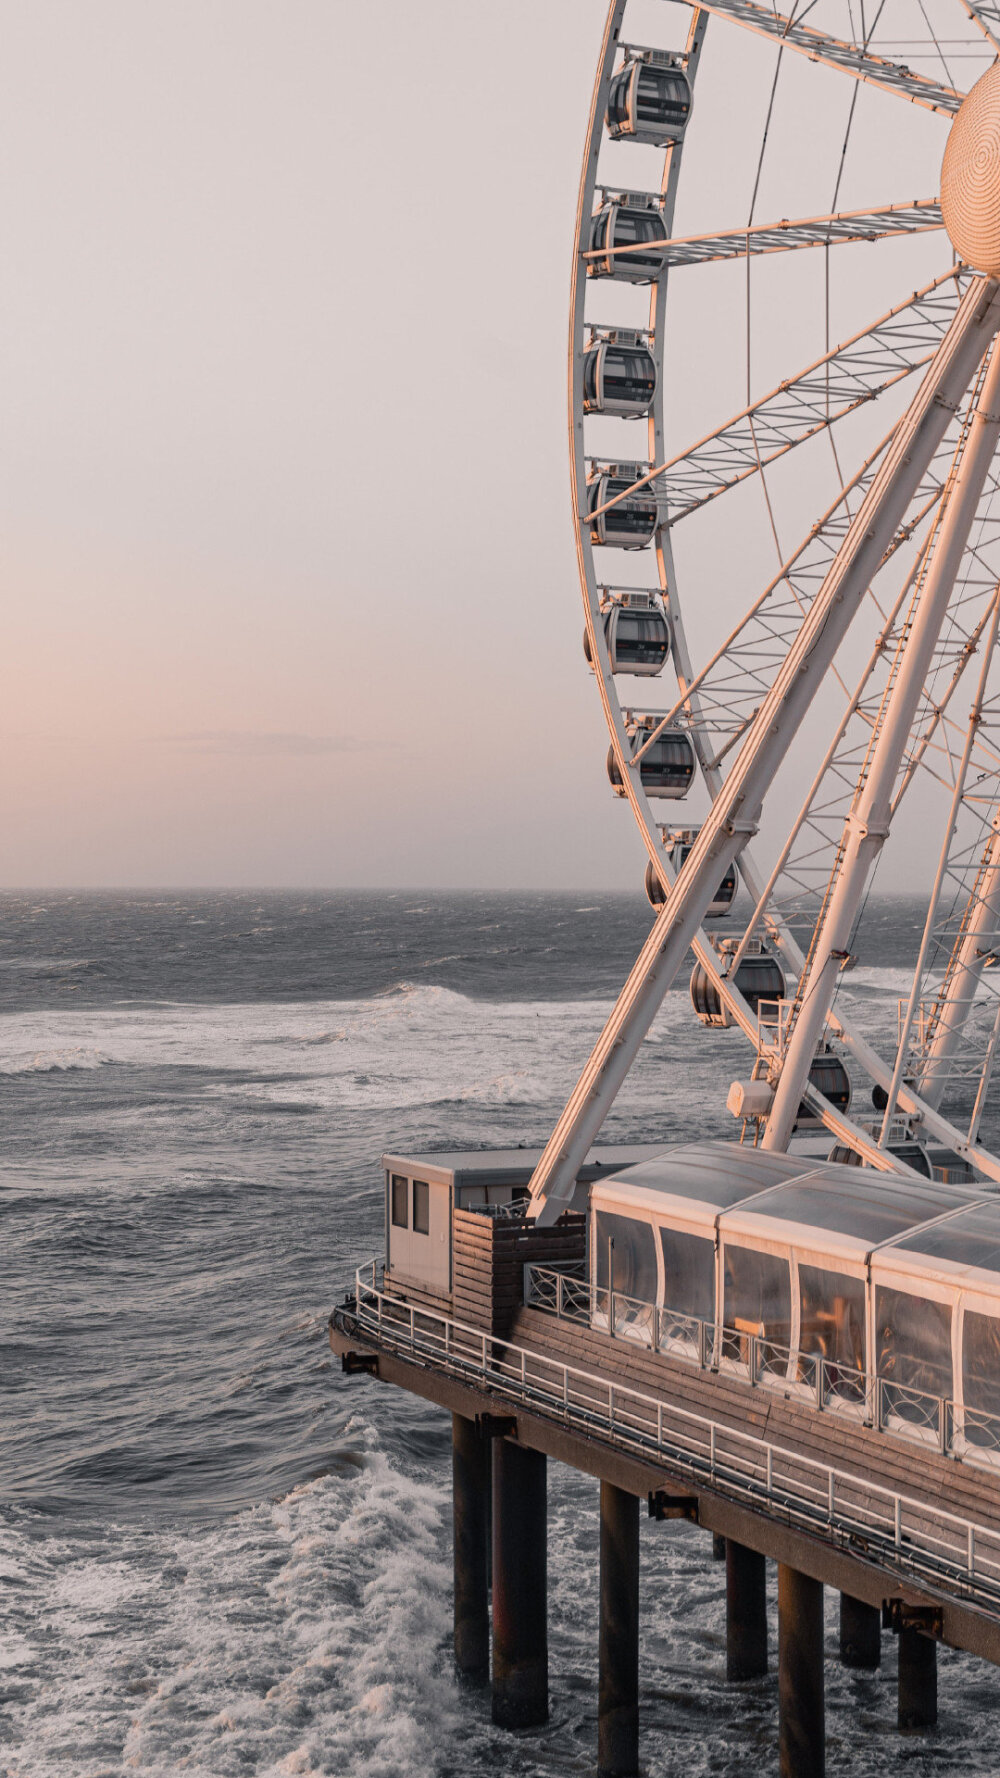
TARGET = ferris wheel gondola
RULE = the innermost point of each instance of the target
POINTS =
(908, 548)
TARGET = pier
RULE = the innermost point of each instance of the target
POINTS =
(838, 1492)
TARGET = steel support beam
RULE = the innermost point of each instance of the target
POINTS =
(736, 812)
(520, 1604)
(470, 1455)
(801, 1720)
(618, 1683)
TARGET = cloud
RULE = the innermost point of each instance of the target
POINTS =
(260, 743)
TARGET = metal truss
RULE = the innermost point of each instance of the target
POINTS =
(850, 58)
(863, 368)
(930, 643)
(790, 237)
(735, 812)
(869, 550)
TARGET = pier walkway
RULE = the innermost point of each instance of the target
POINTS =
(882, 1514)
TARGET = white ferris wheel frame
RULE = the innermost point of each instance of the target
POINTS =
(736, 798)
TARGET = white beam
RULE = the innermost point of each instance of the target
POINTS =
(868, 821)
(736, 811)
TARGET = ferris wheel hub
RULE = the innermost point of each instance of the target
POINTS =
(970, 177)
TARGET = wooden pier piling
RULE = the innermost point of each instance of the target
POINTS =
(801, 1723)
(860, 1633)
(917, 1696)
(520, 1603)
(470, 1456)
(746, 1613)
(618, 1686)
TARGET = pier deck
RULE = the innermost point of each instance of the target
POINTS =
(886, 1519)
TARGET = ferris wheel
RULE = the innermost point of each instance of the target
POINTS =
(786, 495)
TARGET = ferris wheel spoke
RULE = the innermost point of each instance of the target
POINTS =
(735, 813)
(850, 58)
(826, 390)
(985, 14)
(835, 230)
(732, 683)
(869, 818)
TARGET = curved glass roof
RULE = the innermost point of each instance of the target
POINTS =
(869, 1206)
(972, 1238)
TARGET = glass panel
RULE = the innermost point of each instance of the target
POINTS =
(618, 96)
(633, 1256)
(688, 1274)
(421, 1208)
(913, 1347)
(832, 1323)
(853, 1204)
(719, 1176)
(981, 1377)
(400, 1202)
(758, 1297)
(972, 1239)
(599, 228)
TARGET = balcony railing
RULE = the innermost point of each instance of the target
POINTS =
(826, 1383)
(911, 1537)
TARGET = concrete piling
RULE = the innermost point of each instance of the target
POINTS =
(470, 1457)
(801, 1724)
(746, 1613)
(520, 1630)
(860, 1633)
(917, 1697)
(618, 1688)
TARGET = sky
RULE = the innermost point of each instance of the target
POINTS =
(291, 594)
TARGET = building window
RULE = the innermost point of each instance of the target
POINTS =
(400, 1206)
(421, 1207)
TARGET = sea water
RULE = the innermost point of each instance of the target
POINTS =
(218, 1555)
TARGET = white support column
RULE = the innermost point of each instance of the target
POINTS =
(978, 941)
(736, 811)
(867, 825)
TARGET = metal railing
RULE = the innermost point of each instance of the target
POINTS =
(825, 1383)
(915, 1538)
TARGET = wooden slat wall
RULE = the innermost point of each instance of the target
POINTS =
(488, 1259)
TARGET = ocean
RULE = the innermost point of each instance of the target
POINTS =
(218, 1556)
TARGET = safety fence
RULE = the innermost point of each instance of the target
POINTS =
(826, 1384)
(911, 1537)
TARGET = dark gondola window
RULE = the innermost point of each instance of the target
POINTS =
(641, 639)
(661, 97)
(421, 1207)
(635, 516)
(628, 375)
(400, 1202)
